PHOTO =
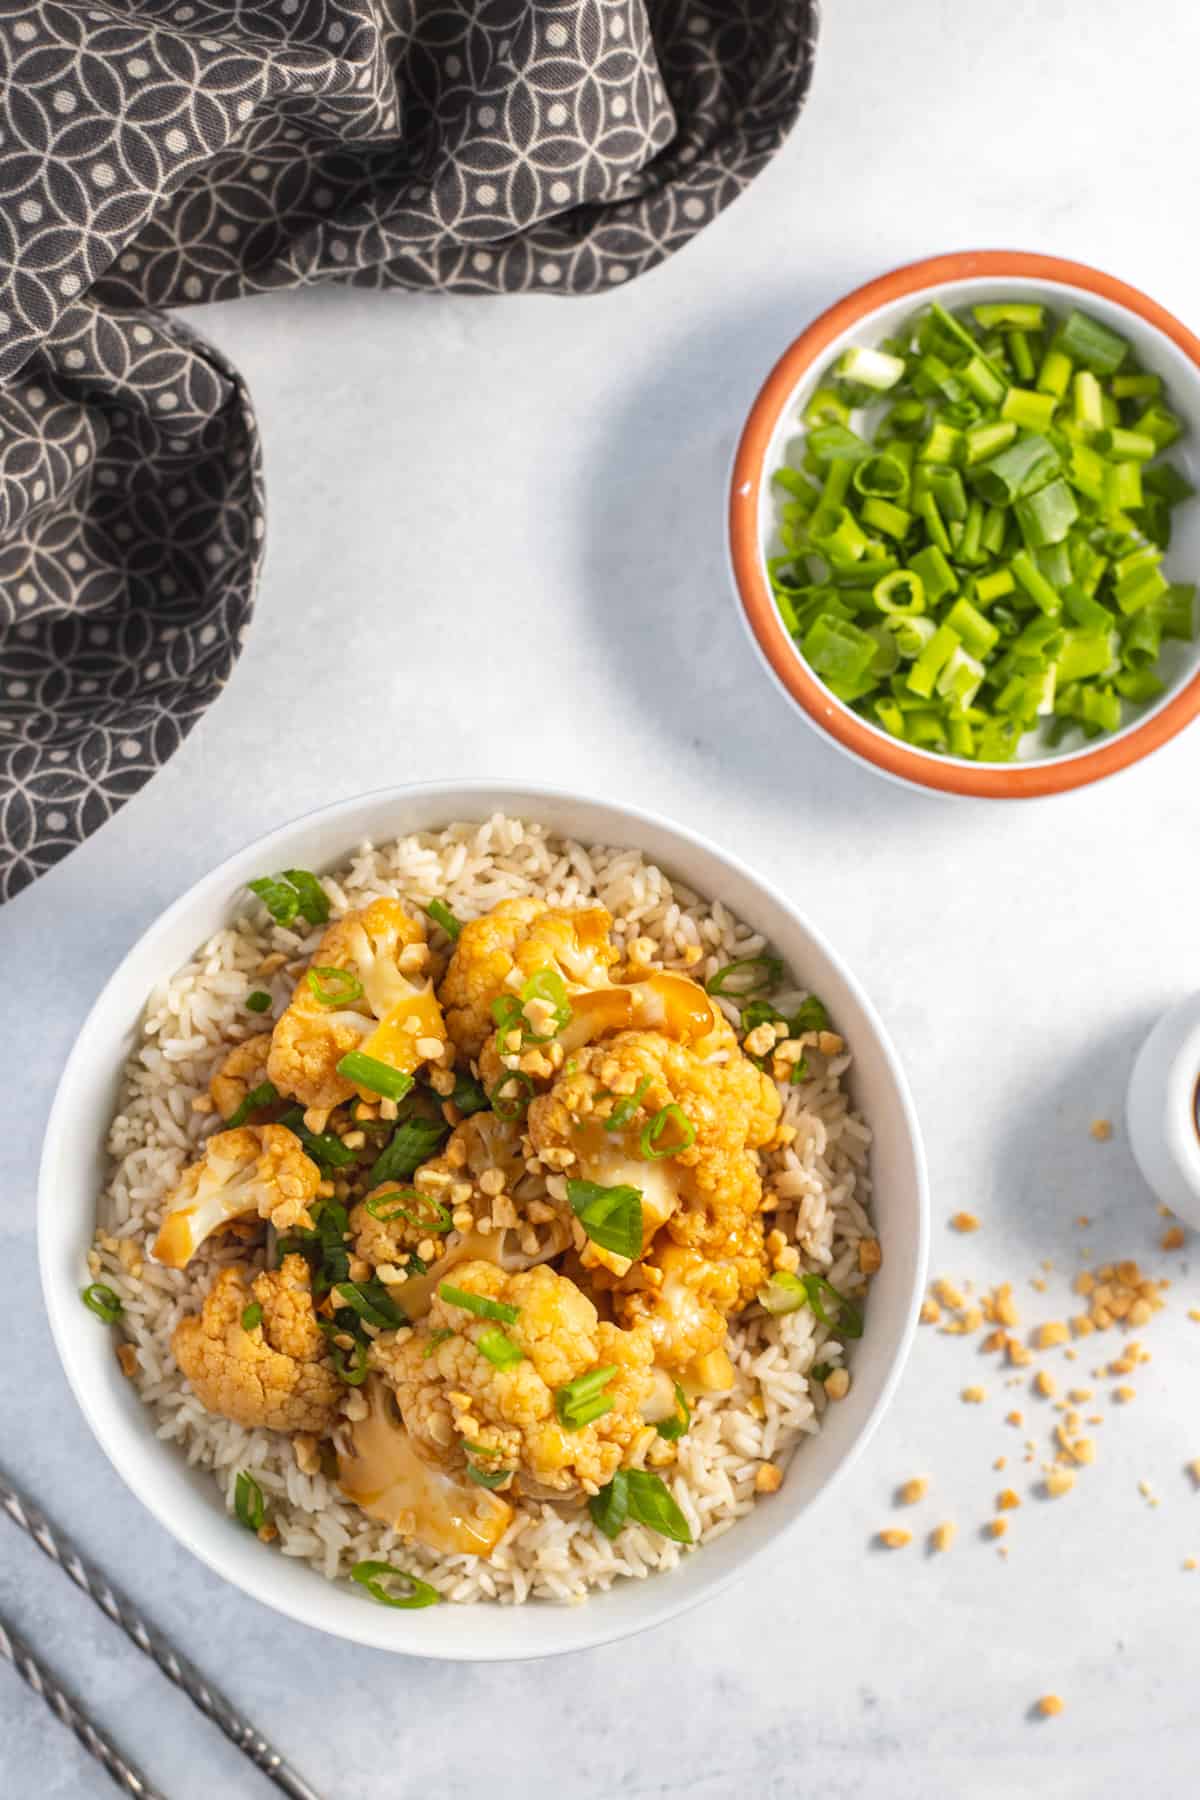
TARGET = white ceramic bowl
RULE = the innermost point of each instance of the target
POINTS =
(1162, 1110)
(868, 315)
(186, 1501)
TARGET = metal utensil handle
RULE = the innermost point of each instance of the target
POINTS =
(177, 1669)
(68, 1712)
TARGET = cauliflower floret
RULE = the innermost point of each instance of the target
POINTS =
(460, 1408)
(708, 1195)
(244, 1069)
(685, 1301)
(257, 1171)
(278, 1372)
(390, 1014)
(497, 954)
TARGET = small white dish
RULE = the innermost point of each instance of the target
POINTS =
(186, 1501)
(1162, 1110)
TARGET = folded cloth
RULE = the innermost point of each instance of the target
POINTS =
(156, 153)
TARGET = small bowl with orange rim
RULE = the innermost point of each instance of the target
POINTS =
(963, 527)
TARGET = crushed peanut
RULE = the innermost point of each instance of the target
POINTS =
(942, 1536)
(964, 1221)
(1045, 1384)
(768, 1478)
(931, 1312)
(973, 1395)
(1052, 1333)
(1058, 1482)
(1050, 1705)
(127, 1357)
(912, 1491)
(1102, 1130)
(1007, 1500)
(893, 1538)
(870, 1256)
(837, 1384)
(1175, 1238)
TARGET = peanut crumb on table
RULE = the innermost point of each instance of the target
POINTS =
(1014, 1418)
(1052, 1333)
(973, 1395)
(931, 1312)
(1050, 1705)
(1124, 1394)
(1193, 1470)
(1007, 1500)
(1175, 1238)
(1189, 1562)
(892, 1538)
(1102, 1130)
(1059, 1482)
(942, 1536)
(911, 1491)
(1045, 1384)
(996, 1527)
(964, 1221)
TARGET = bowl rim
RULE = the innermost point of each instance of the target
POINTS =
(888, 755)
(376, 1627)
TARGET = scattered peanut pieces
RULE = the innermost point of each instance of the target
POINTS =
(870, 1256)
(1189, 1562)
(127, 1357)
(942, 1536)
(893, 1538)
(996, 1527)
(1059, 1482)
(768, 1478)
(931, 1312)
(912, 1491)
(837, 1384)
(974, 1395)
(965, 1221)
(1193, 1470)
(1045, 1384)
(1124, 1395)
(1015, 1418)
(1050, 1705)
(1102, 1130)
(1052, 1333)
(1175, 1238)
(948, 1294)
(1007, 1500)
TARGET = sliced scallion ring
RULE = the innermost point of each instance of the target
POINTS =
(334, 987)
(670, 1121)
(421, 1210)
(414, 1592)
(377, 1077)
(747, 976)
(441, 915)
(511, 1095)
(103, 1301)
(248, 1502)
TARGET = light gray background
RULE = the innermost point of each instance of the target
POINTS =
(496, 548)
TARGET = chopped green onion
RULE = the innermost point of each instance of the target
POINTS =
(669, 1118)
(900, 594)
(479, 1304)
(322, 1146)
(1092, 344)
(103, 1301)
(258, 1001)
(489, 1479)
(748, 976)
(811, 1015)
(314, 902)
(626, 1106)
(414, 1592)
(377, 1077)
(334, 987)
(581, 1402)
(611, 1216)
(610, 1507)
(547, 985)
(787, 1293)
(498, 1348)
(1011, 315)
(295, 891)
(441, 915)
(265, 1094)
(354, 1371)
(822, 1371)
(251, 1316)
(871, 368)
(511, 1095)
(248, 1502)
(279, 897)
(679, 1421)
(387, 1208)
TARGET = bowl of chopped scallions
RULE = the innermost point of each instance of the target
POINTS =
(964, 528)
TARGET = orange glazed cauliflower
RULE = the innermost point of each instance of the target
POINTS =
(255, 1171)
(497, 954)
(276, 1372)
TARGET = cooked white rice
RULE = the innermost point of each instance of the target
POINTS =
(819, 1184)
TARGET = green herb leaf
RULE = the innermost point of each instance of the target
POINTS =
(251, 1316)
(412, 1143)
(811, 1015)
(350, 1365)
(651, 1503)
(611, 1216)
(258, 1001)
(441, 915)
(822, 1371)
(670, 1120)
(334, 987)
(248, 1502)
(101, 1300)
(610, 1507)
(480, 1304)
(468, 1096)
(279, 897)
(313, 900)
(580, 1402)
(747, 976)
(265, 1094)
(325, 1149)
(499, 1348)
(372, 1302)
(848, 1321)
(680, 1420)
(414, 1593)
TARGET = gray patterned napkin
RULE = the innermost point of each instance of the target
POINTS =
(155, 153)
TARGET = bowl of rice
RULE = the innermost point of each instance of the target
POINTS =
(842, 1181)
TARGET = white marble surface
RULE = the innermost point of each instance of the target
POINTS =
(496, 547)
